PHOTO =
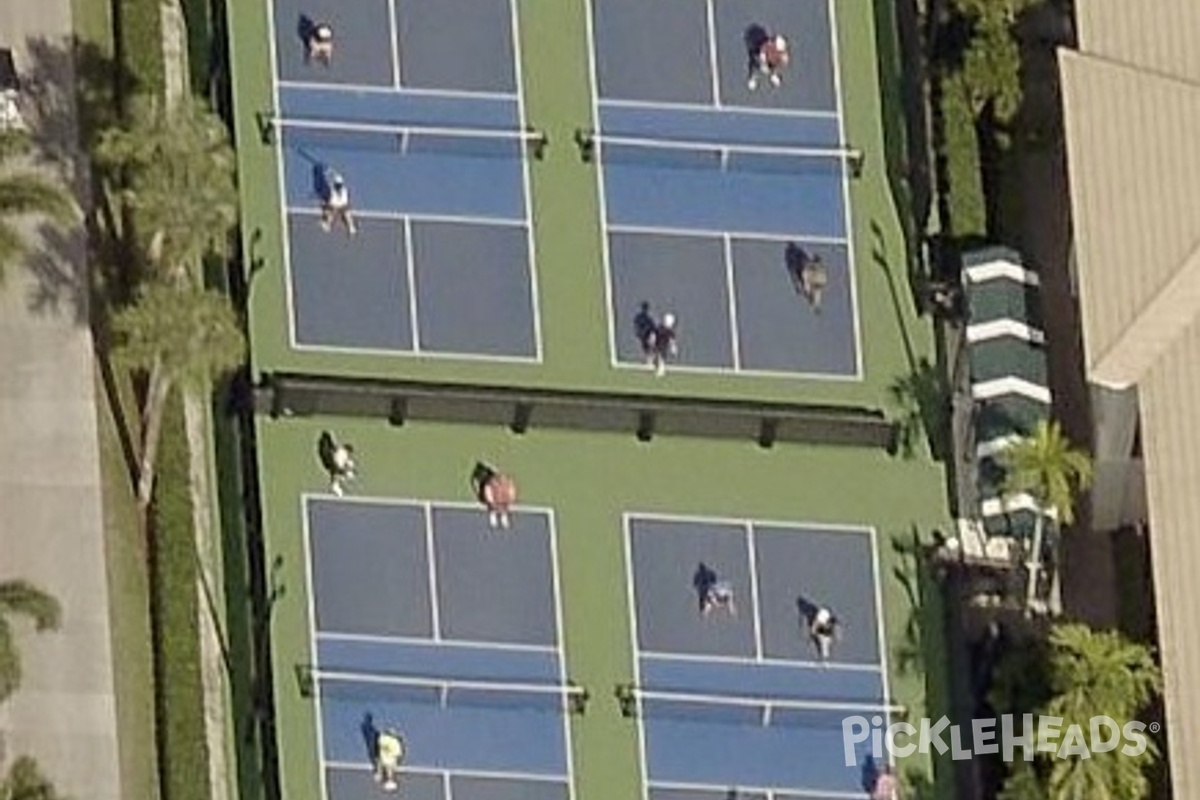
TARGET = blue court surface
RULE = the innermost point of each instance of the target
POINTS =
(428, 621)
(740, 702)
(707, 185)
(433, 154)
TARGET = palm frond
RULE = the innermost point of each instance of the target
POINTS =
(29, 193)
(22, 597)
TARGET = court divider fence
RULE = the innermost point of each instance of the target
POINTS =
(645, 416)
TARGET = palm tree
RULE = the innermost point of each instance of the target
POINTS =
(25, 193)
(1096, 673)
(21, 598)
(179, 177)
(180, 335)
(1045, 466)
(25, 781)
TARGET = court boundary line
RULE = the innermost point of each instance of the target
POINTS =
(457, 505)
(737, 522)
(700, 107)
(318, 705)
(714, 61)
(480, 774)
(410, 269)
(885, 677)
(561, 654)
(635, 643)
(419, 641)
(435, 600)
(368, 88)
(765, 661)
(752, 561)
(847, 212)
(514, 30)
(394, 46)
(601, 192)
(768, 792)
(735, 335)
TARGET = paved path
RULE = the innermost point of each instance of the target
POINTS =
(51, 527)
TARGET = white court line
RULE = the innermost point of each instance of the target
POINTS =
(880, 627)
(401, 216)
(435, 606)
(631, 595)
(735, 337)
(771, 793)
(410, 273)
(801, 526)
(465, 644)
(394, 45)
(357, 88)
(485, 774)
(702, 233)
(752, 558)
(656, 105)
(744, 372)
(695, 658)
(310, 589)
(852, 263)
(714, 67)
(412, 502)
(559, 632)
(424, 355)
(602, 202)
(447, 785)
(527, 182)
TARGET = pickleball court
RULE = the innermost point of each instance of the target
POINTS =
(705, 184)
(427, 620)
(435, 155)
(740, 702)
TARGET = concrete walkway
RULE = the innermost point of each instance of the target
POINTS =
(51, 520)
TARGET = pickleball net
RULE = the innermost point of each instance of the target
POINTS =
(743, 709)
(404, 138)
(706, 155)
(441, 693)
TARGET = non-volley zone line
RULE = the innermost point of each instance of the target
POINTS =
(448, 774)
(656, 105)
(533, 139)
(763, 661)
(415, 91)
(417, 641)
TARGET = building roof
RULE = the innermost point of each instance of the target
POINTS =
(1131, 97)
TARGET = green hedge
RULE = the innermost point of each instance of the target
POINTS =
(183, 747)
(967, 205)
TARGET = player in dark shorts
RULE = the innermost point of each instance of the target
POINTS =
(824, 630)
(767, 54)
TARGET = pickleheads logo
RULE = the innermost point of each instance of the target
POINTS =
(993, 736)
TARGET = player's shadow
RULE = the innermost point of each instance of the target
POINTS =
(643, 322)
(871, 771)
(305, 27)
(326, 447)
(320, 176)
(370, 734)
(754, 37)
(794, 259)
(703, 579)
(806, 611)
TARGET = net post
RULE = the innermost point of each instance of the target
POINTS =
(768, 432)
(585, 140)
(538, 142)
(626, 700)
(854, 160)
(265, 120)
(577, 699)
(398, 412)
(304, 680)
(522, 413)
(645, 428)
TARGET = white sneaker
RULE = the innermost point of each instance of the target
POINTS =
(493, 519)
(336, 488)
(752, 84)
(505, 521)
(660, 369)
(776, 80)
